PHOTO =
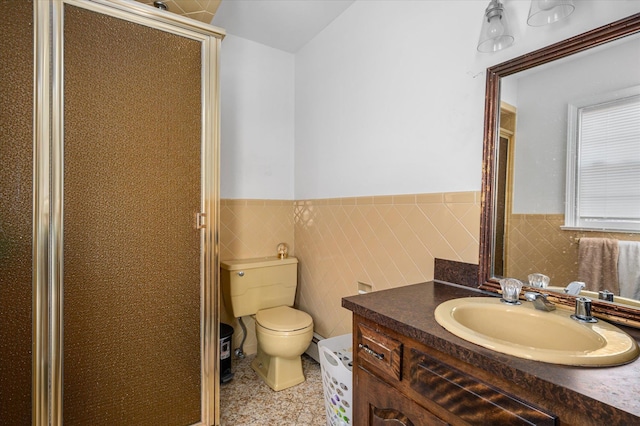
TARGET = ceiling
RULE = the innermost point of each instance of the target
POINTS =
(282, 24)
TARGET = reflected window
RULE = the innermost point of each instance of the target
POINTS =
(603, 179)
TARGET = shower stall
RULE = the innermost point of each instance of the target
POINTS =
(108, 215)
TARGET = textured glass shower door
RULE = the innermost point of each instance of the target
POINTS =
(131, 248)
(16, 210)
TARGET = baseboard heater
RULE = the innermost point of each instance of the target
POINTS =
(312, 350)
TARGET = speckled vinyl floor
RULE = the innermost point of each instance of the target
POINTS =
(247, 400)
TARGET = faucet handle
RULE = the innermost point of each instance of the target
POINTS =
(605, 295)
(510, 290)
(583, 310)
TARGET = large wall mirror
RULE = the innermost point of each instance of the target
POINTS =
(549, 115)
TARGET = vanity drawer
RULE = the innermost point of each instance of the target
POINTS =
(378, 352)
(467, 398)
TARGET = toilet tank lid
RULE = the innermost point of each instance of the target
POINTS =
(283, 318)
(256, 262)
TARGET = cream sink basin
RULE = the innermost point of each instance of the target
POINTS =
(523, 331)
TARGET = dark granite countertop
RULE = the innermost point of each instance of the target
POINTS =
(608, 392)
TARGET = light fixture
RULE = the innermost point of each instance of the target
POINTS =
(495, 33)
(543, 12)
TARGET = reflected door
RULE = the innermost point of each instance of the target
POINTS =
(131, 248)
(500, 225)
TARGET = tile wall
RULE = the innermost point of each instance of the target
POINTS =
(537, 244)
(384, 241)
(254, 228)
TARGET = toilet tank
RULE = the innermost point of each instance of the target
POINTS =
(249, 285)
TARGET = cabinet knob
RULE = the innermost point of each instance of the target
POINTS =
(240, 274)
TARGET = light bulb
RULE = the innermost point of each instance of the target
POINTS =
(495, 28)
(495, 34)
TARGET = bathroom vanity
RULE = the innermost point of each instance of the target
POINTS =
(409, 370)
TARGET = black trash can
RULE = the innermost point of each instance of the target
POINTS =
(226, 334)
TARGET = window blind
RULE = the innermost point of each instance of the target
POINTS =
(608, 174)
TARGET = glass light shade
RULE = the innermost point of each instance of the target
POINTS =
(495, 33)
(543, 12)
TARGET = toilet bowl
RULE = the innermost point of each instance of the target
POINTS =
(265, 288)
(283, 334)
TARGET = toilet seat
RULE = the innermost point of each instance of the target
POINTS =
(283, 319)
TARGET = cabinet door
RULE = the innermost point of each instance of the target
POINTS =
(468, 399)
(377, 404)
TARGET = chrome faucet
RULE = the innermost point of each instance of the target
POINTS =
(540, 301)
(583, 310)
(574, 288)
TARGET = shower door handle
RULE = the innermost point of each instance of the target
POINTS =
(200, 220)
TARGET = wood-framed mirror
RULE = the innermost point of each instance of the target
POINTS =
(508, 153)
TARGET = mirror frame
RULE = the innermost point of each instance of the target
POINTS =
(619, 29)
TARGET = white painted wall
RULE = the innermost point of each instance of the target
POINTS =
(389, 99)
(390, 96)
(257, 121)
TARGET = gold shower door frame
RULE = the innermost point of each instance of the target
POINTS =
(48, 286)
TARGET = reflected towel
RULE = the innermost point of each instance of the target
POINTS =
(598, 264)
(629, 269)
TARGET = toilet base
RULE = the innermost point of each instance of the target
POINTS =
(277, 372)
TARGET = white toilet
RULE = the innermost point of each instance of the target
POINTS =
(266, 288)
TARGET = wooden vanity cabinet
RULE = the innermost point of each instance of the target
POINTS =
(399, 381)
